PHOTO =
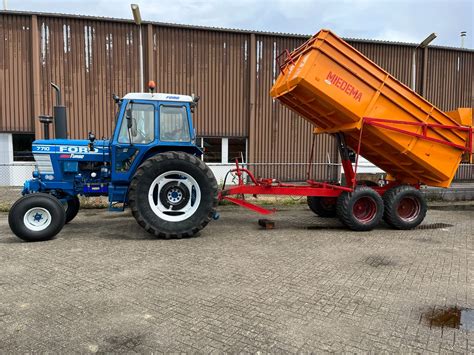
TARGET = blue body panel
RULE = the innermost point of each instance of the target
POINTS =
(68, 168)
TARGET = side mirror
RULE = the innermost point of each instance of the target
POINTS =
(128, 116)
(194, 103)
(116, 99)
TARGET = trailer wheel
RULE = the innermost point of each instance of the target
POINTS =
(173, 195)
(72, 208)
(405, 207)
(360, 210)
(323, 206)
(37, 217)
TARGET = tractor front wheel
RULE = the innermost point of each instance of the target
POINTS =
(361, 209)
(173, 195)
(36, 217)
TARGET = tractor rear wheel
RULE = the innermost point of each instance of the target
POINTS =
(36, 217)
(405, 207)
(72, 208)
(360, 210)
(173, 195)
(323, 206)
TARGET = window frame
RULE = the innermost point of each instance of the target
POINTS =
(124, 122)
(186, 122)
(224, 148)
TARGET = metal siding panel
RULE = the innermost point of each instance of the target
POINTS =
(87, 70)
(15, 74)
(219, 83)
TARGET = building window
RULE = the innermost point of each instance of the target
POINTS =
(22, 147)
(212, 150)
(223, 150)
(237, 149)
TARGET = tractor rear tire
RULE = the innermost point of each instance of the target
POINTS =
(37, 217)
(173, 195)
(323, 206)
(72, 208)
(405, 207)
(360, 210)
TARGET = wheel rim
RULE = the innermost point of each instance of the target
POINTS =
(408, 209)
(37, 219)
(174, 196)
(365, 209)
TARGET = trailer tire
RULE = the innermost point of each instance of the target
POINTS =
(37, 217)
(323, 206)
(360, 210)
(173, 195)
(72, 208)
(405, 207)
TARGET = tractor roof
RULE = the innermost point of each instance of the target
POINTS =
(157, 97)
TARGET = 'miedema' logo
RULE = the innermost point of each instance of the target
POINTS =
(337, 81)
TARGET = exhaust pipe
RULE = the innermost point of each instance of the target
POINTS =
(60, 116)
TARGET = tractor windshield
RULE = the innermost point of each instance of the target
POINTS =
(174, 126)
(143, 124)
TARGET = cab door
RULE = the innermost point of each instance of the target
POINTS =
(136, 133)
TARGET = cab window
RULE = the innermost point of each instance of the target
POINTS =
(143, 124)
(174, 125)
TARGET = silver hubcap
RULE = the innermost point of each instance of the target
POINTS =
(174, 196)
(37, 219)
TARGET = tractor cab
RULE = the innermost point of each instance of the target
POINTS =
(147, 124)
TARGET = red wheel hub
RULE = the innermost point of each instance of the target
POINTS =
(408, 208)
(364, 209)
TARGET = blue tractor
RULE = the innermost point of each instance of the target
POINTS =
(150, 164)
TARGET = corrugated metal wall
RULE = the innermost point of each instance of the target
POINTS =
(213, 65)
(232, 71)
(89, 60)
(450, 79)
(15, 73)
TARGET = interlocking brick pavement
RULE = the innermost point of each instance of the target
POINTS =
(309, 285)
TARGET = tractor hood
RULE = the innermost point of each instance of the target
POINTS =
(50, 153)
(72, 149)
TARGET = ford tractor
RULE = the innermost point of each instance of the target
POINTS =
(150, 164)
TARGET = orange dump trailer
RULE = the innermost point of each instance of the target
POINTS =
(338, 89)
(342, 92)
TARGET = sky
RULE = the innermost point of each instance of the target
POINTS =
(391, 20)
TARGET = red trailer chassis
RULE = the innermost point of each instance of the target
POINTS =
(259, 186)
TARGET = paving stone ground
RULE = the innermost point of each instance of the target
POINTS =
(104, 285)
